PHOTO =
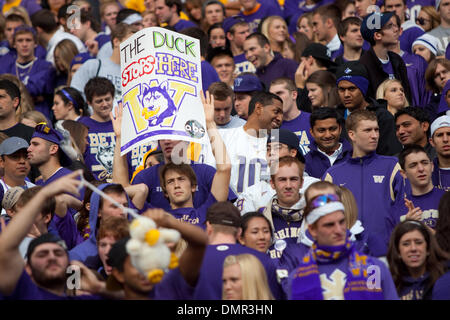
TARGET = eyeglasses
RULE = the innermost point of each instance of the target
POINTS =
(42, 127)
(323, 200)
(422, 21)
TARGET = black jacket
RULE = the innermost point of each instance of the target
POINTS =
(377, 75)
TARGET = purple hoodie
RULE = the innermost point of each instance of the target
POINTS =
(377, 184)
(277, 68)
(443, 106)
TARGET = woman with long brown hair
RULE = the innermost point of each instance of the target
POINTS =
(415, 260)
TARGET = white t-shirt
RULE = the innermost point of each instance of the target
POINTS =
(248, 158)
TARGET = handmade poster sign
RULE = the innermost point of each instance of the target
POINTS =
(161, 83)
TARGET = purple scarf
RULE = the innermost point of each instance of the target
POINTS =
(306, 282)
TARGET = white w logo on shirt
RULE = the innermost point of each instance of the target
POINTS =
(378, 179)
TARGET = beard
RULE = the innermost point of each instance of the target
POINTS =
(49, 281)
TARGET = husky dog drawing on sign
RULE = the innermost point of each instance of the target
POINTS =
(157, 103)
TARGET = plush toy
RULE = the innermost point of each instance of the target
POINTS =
(148, 249)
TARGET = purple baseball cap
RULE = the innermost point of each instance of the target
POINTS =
(43, 131)
(247, 83)
(229, 22)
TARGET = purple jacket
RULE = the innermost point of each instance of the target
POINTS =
(377, 184)
(317, 163)
(416, 67)
(440, 178)
(277, 68)
(441, 289)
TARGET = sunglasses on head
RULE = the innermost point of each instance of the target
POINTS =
(42, 127)
(323, 200)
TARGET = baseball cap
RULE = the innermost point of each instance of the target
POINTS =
(288, 138)
(229, 22)
(320, 52)
(11, 196)
(224, 213)
(441, 122)
(11, 145)
(247, 83)
(356, 73)
(45, 238)
(373, 23)
(43, 131)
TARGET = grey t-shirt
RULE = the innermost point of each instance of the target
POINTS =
(443, 34)
(88, 70)
(235, 122)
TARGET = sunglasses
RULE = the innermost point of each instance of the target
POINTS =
(42, 127)
(323, 200)
(422, 21)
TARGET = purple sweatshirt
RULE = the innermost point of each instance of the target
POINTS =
(300, 126)
(277, 68)
(209, 285)
(99, 153)
(416, 67)
(317, 163)
(377, 184)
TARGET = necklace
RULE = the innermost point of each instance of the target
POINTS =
(25, 70)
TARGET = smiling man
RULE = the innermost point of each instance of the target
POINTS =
(412, 125)
(248, 157)
(323, 273)
(269, 65)
(37, 75)
(374, 180)
(327, 148)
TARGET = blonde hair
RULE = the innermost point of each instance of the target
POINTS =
(433, 14)
(21, 11)
(349, 202)
(67, 51)
(34, 115)
(382, 88)
(253, 277)
(265, 31)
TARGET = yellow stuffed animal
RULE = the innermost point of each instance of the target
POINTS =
(148, 249)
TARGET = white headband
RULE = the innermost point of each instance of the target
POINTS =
(133, 18)
(324, 210)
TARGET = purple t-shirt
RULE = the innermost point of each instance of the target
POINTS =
(242, 64)
(99, 153)
(194, 216)
(150, 177)
(267, 8)
(387, 67)
(300, 126)
(440, 177)
(172, 287)
(428, 203)
(26, 289)
(209, 285)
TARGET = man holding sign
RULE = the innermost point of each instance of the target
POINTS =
(179, 181)
(161, 76)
